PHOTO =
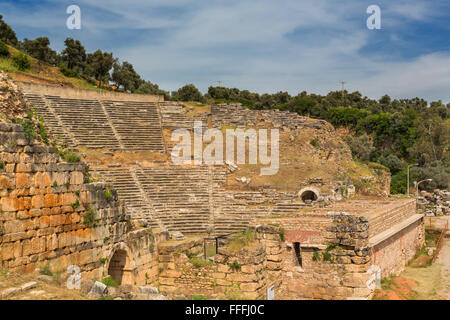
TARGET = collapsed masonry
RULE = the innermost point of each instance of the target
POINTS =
(51, 213)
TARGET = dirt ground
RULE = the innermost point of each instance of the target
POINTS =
(422, 283)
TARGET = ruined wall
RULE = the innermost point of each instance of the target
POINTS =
(50, 215)
(393, 254)
(243, 274)
(330, 256)
(74, 93)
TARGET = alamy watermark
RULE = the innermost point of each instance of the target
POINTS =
(74, 20)
(374, 20)
(213, 154)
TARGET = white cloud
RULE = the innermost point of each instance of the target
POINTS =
(265, 46)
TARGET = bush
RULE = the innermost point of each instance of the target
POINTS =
(110, 282)
(2, 165)
(68, 72)
(89, 217)
(45, 270)
(21, 62)
(235, 266)
(108, 195)
(361, 146)
(4, 51)
(315, 142)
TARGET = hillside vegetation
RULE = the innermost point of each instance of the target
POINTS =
(393, 133)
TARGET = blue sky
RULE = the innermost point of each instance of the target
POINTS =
(261, 45)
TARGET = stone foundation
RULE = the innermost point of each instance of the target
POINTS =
(51, 215)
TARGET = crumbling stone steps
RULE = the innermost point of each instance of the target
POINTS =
(129, 193)
(179, 196)
(86, 120)
(137, 124)
(52, 124)
(284, 208)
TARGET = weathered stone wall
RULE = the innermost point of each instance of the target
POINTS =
(49, 215)
(330, 255)
(75, 93)
(393, 254)
(243, 274)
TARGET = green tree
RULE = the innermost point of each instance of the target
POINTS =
(361, 146)
(4, 50)
(99, 64)
(7, 34)
(74, 55)
(188, 93)
(39, 48)
(125, 76)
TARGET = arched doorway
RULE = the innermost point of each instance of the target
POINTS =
(119, 268)
(309, 195)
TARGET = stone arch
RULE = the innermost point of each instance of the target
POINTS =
(309, 194)
(121, 265)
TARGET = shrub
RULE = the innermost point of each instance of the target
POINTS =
(103, 260)
(68, 72)
(75, 205)
(108, 195)
(316, 256)
(2, 165)
(21, 62)
(71, 157)
(45, 270)
(377, 166)
(110, 282)
(199, 297)
(89, 217)
(315, 143)
(235, 266)
(4, 51)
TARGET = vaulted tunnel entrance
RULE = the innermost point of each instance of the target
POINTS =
(119, 268)
(309, 194)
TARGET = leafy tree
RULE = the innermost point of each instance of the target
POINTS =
(7, 34)
(361, 146)
(4, 51)
(39, 48)
(146, 87)
(74, 55)
(125, 76)
(188, 93)
(391, 161)
(99, 64)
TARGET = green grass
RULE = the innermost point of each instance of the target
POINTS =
(110, 282)
(199, 297)
(199, 262)
(46, 270)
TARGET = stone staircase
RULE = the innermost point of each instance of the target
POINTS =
(179, 196)
(137, 124)
(130, 194)
(52, 122)
(87, 121)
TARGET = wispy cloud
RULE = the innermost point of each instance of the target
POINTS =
(265, 46)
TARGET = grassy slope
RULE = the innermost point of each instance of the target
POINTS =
(46, 75)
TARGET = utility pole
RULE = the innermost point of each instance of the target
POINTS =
(407, 176)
